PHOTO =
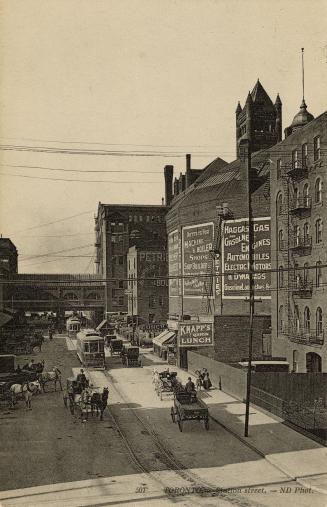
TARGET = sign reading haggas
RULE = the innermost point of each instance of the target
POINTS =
(197, 244)
(174, 257)
(235, 258)
(196, 334)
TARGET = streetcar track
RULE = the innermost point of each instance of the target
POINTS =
(198, 486)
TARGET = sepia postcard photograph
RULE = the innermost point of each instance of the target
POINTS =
(163, 253)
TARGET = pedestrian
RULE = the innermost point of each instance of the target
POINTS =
(189, 386)
(206, 381)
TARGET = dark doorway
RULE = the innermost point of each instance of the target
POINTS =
(313, 362)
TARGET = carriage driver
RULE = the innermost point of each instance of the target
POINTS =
(81, 379)
(189, 386)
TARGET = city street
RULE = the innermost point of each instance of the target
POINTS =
(136, 452)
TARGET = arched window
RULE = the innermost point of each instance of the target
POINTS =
(296, 198)
(319, 328)
(307, 318)
(281, 319)
(306, 233)
(280, 277)
(297, 319)
(281, 240)
(306, 197)
(318, 190)
(318, 274)
(279, 203)
(318, 226)
(297, 235)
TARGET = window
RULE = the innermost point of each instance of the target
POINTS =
(121, 284)
(297, 235)
(279, 203)
(152, 301)
(304, 155)
(306, 198)
(281, 319)
(319, 330)
(296, 198)
(318, 274)
(279, 168)
(280, 277)
(295, 159)
(306, 233)
(316, 148)
(280, 240)
(161, 301)
(297, 319)
(121, 300)
(297, 277)
(120, 259)
(318, 226)
(129, 264)
(305, 272)
(307, 318)
(318, 190)
(130, 218)
(140, 218)
(135, 218)
(134, 262)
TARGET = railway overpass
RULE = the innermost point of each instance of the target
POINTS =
(54, 292)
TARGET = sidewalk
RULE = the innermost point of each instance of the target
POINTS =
(294, 454)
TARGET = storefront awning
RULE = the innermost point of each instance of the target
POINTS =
(100, 326)
(164, 338)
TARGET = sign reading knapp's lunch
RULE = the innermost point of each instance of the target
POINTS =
(197, 245)
(196, 334)
(235, 258)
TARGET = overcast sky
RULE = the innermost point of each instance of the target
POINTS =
(155, 75)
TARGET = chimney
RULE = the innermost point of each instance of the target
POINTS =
(168, 172)
(188, 177)
(180, 183)
(176, 186)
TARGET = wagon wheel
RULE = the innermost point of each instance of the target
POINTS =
(172, 413)
(206, 423)
(180, 422)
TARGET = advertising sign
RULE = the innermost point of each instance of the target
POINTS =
(235, 258)
(195, 334)
(197, 259)
(174, 262)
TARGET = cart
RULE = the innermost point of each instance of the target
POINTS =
(187, 407)
(116, 347)
(130, 356)
(167, 384)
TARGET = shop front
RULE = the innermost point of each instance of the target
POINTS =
(164, 345)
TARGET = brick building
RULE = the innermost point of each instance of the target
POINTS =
(148, 298)
(299, 239)
(208, 243)
(117, 228)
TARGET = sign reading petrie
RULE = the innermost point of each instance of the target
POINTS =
(235, 258)
(174, 262)
(195, 334)
(197, 245)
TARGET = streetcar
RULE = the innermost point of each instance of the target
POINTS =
(73, 326)
(90, 349)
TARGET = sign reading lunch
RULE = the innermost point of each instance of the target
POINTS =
(196, 334)
(235, 258)
(174, 256)
(197, 244)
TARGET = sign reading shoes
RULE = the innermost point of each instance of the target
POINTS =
(196, 334)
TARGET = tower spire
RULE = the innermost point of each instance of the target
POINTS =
(302, 51)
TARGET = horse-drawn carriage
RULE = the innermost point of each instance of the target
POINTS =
(25, 344)
(116, 347)
(130, 356)
(166, 383)
(85, 399)
(188, 407)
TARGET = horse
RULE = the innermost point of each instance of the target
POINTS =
(50, 376)
(26, 391)
(99, 402)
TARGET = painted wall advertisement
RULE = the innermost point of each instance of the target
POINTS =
(197, 259)
(195, 334)
(174, 256)
(235, 258)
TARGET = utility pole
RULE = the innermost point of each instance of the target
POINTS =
(251, 290)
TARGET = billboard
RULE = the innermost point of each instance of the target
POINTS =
(235, 258)
(197, 245)
(195, 334)
(174, 263)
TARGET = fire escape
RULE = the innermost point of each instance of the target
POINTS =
(294, 247)
(211, 284)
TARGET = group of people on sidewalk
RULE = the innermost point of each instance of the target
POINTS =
(203, 380)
